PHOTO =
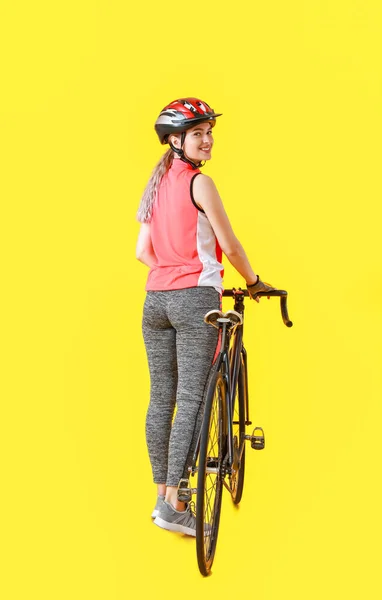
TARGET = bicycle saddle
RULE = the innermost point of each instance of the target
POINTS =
(213, 317)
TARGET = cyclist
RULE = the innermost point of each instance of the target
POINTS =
(184, 231)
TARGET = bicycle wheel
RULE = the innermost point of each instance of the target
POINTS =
(238, 428)
(213, 442)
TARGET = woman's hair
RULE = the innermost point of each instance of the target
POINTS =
(145, 209)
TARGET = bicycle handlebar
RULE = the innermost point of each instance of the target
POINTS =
(282, 294)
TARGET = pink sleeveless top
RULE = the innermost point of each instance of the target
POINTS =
(188, 253)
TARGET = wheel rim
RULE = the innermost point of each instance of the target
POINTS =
(213, 476)
(238, 427)
(236, 440)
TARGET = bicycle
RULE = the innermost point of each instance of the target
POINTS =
(219, 457)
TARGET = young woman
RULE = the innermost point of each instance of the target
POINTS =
(184, 231)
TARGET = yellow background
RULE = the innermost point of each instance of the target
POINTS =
(297, 161)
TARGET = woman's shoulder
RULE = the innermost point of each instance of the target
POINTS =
(204, 183)
(205, 192)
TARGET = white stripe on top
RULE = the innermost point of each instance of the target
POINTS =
(206, 246)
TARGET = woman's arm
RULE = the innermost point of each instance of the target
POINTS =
(145, 251)
(207, 197)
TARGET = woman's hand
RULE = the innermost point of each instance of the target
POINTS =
(259, 286)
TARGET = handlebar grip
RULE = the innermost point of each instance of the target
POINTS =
(283, 304)
(284, 311)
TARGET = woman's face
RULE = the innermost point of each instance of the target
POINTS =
(198, 142)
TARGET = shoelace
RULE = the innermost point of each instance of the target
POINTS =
(192, 508)
(188, 518)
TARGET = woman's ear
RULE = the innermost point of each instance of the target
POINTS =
(175, 141)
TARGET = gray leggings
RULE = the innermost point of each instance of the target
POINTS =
(180, 350)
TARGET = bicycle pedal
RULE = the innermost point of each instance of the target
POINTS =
(257, 439)
(184, 493)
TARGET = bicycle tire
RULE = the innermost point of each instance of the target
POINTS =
(213, 443)
(238, 428)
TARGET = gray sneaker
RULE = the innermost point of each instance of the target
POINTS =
(158, 505)
(175, 520)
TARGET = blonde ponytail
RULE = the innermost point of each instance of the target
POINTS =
(145, 209)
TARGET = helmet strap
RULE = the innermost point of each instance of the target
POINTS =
(180, 153)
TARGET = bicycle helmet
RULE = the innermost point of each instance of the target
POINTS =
(182, 114)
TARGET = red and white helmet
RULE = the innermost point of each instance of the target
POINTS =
(182, 114)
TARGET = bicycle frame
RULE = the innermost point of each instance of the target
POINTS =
(232, 367)
(230, 375)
